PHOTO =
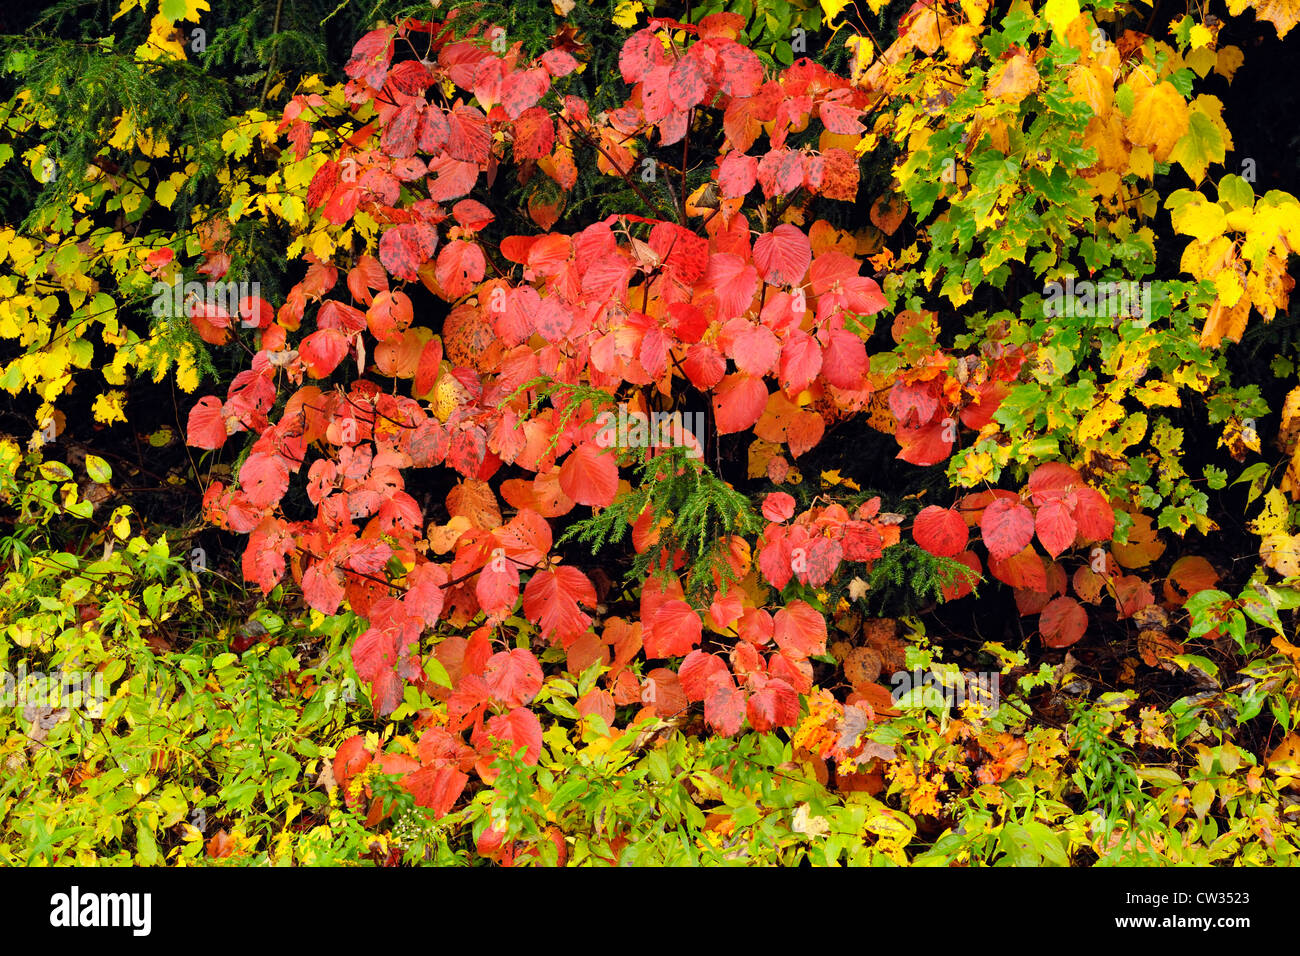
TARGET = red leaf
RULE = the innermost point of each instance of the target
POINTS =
(497, 588)
(264, 479)
(641, 53)
(675, 632)
(734, 283)
(687, 84)
(1056, 529)
(738, 402)
(521, 729)
(1007, 527)
(513, 677)
(468, 138)
(403, 249)
(371, 57)
(437, 788)
(773, 704)
(400, 132)
(551, 600)
(801, 360)
(590, 475)
(461, 266)
(800, 630)
(455, 178)
(927, 445)
(941, 531)
(521, 90)
(738, 71)
(534, 135)
(322, 351)
(779, 506)
(1093, 515)
(425, 594)
(206, 427)
(390, 314)
(737, 174)
(783, 255)
(700, 671)
(844, 361)
(724, 709)
(755, 349)
(1062, 622)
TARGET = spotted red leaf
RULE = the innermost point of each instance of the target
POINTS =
(371, 57)
(468, 138)
(687, 82)
(522, 89)
(738, 71)
(460, 267)
(404, 249)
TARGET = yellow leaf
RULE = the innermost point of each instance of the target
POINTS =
(165, 194)
(1202, 60)
(1159, 119)
(832, 9)
(1201, 37)
(1093, 86)
(1283, 14)
(1142, 163)
(1201, 145)
(1015, 78)
(1227, 61)
(625, 13)
(1060, 14)
(1200, 218)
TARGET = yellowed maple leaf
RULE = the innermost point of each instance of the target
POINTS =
(1159, 119)
(1014, 79)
